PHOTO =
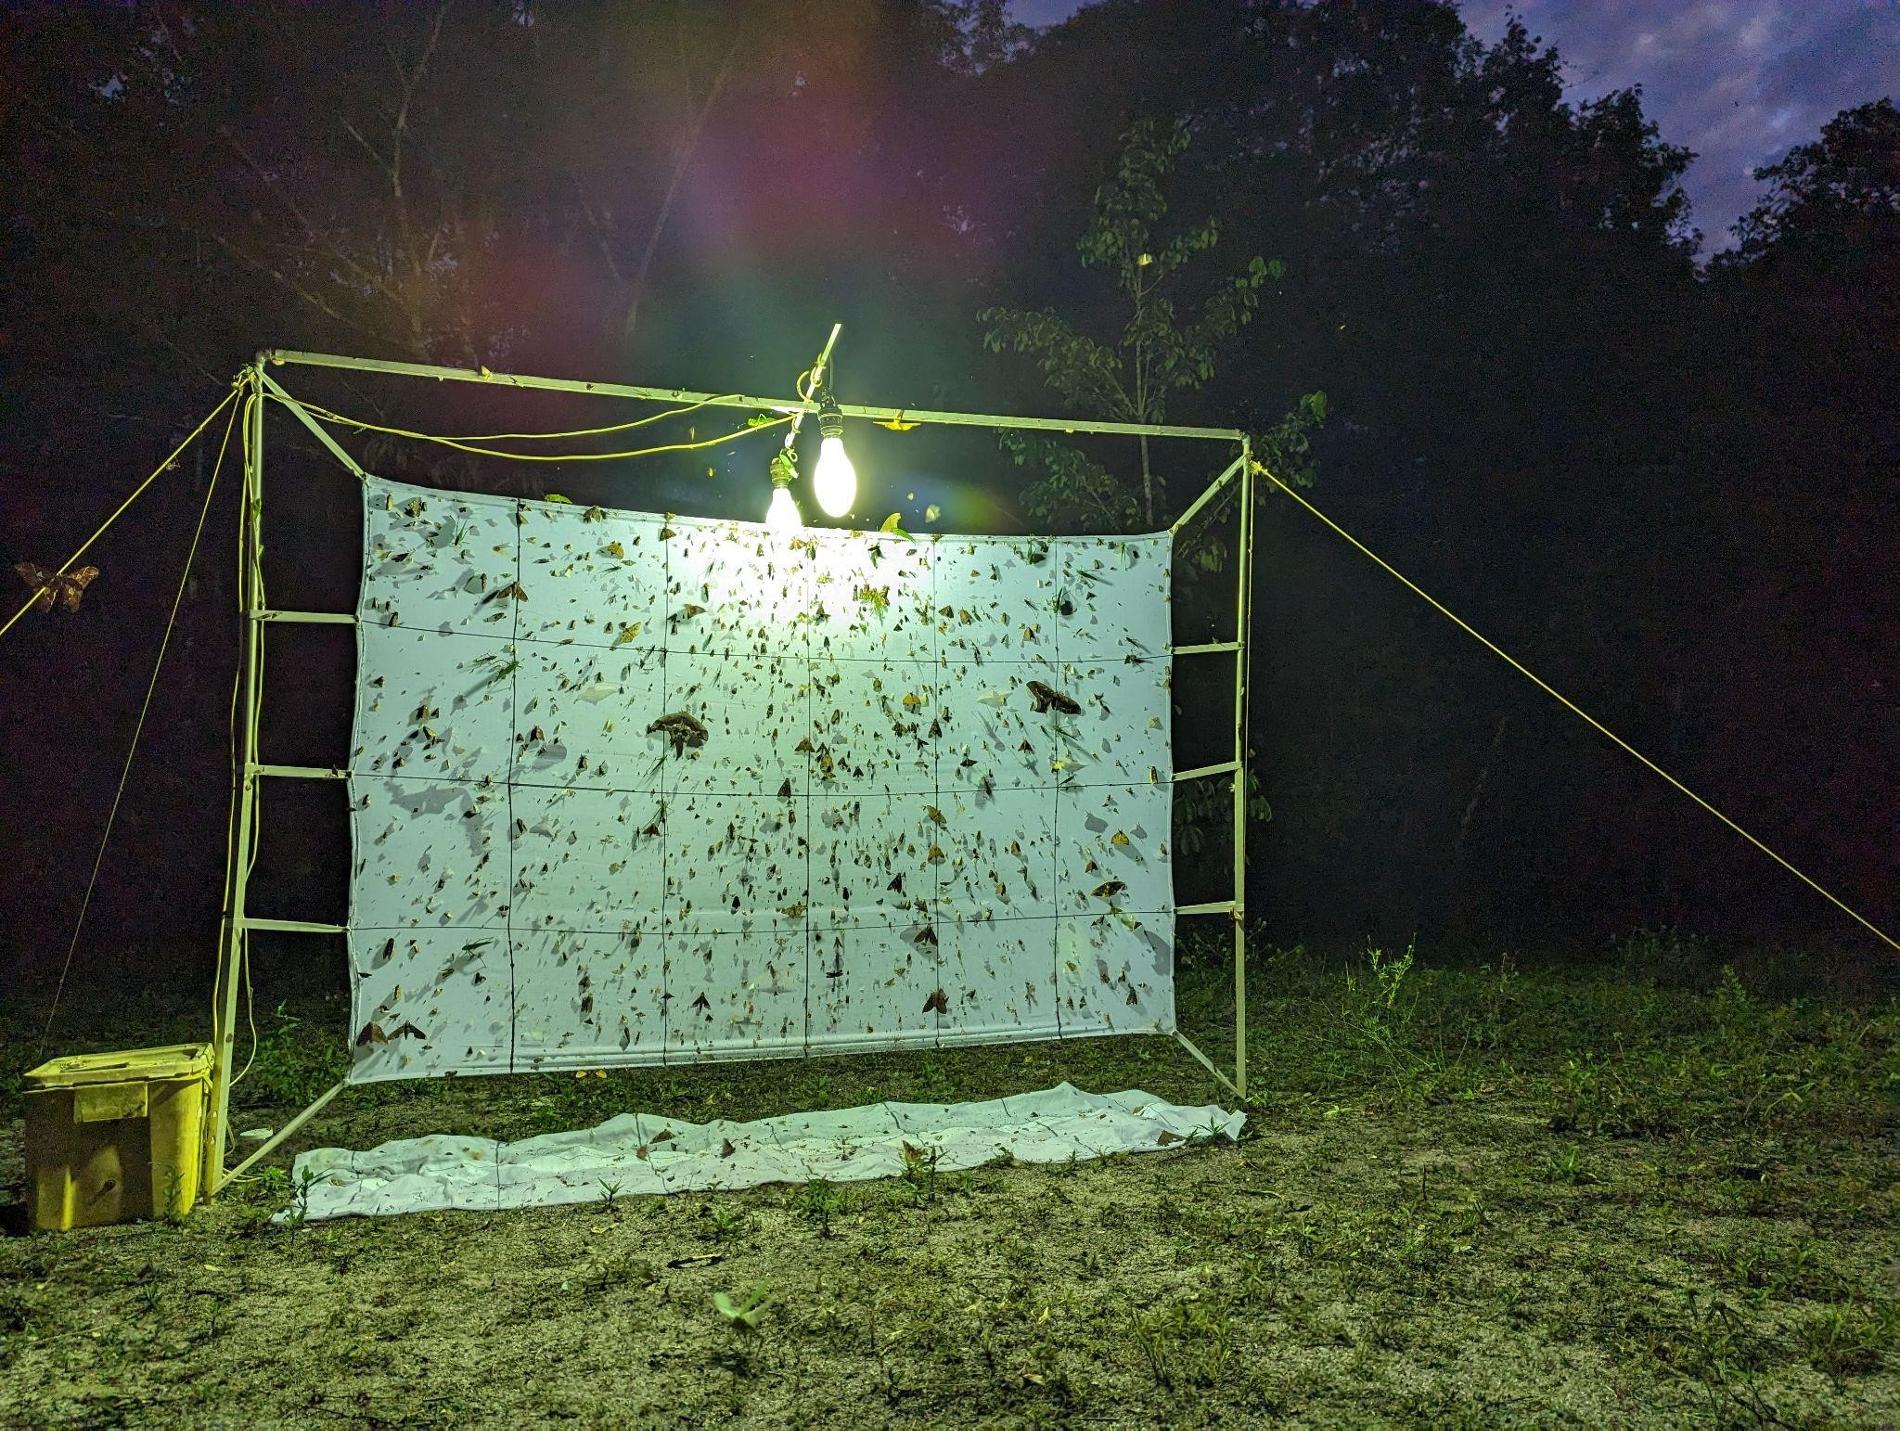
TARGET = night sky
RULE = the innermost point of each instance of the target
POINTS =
(1739, 82)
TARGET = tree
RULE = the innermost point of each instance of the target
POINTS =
(1672, 497)
(1841, 192)
(1131, 377)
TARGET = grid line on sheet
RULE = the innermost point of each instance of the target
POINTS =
(936, 790)
(1050, 791)
(973, 658)
(1055, 816)
(741, 920)
(666, 814)
(810, 740)
(753, 794)
(514, 988)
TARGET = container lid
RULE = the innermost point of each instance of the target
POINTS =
(179, 1060)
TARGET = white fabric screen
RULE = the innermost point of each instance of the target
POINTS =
(630, 789)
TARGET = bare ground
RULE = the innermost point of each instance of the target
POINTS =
(1502, 1198)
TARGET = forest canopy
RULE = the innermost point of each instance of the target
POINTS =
(1669, 484)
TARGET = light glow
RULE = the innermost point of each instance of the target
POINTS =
(783, 514)
(835, 480)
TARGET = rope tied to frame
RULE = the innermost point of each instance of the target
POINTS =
(151, 686)
(51, 582)
(1598, 726)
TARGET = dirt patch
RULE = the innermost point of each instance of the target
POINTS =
(1429, 1240)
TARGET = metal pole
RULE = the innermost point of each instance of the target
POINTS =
(294, 926)
(311, 618)
(1207, 1063)
(1214, 489)
(1201, 771)
(1243, 634)
(1203, 648)
(271, 1143)
(824, 358)
(236, 934)
(740, 400)
(336, 451)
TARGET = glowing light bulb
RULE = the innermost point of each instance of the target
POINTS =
(782, 515)
(835, 480)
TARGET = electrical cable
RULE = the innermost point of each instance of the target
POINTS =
(244, 939)
(594, 431)
(327, 415)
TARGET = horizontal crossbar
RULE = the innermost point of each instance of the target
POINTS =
(682, 395)
(1219, 906)
(1225, 767)
(290, 926)
(307, 618)
(303, 772)
(1202, 648)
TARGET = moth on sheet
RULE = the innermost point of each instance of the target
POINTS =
(637, 788)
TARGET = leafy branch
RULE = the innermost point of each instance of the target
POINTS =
(1156, 353)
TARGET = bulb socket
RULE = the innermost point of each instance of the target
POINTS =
(830, 419)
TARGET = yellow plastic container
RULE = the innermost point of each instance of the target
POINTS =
(115, 1136)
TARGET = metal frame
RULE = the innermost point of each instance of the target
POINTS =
(238, 922)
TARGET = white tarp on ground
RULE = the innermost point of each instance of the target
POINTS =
(642, 1153)
(634, 789)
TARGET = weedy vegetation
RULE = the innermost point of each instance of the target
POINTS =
(1657, 1188)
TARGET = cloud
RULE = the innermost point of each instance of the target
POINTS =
(1042, 12)
(1740, 82)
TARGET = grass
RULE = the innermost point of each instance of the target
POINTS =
(1661, 1188)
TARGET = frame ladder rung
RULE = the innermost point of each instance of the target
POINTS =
(307, 618)
(290, 926)
(303, 772)
(1202, 648)
(1223, 767)
(1217, 906)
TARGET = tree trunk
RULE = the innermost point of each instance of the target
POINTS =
(1147, 485)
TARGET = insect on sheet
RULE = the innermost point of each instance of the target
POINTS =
(632, 789)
